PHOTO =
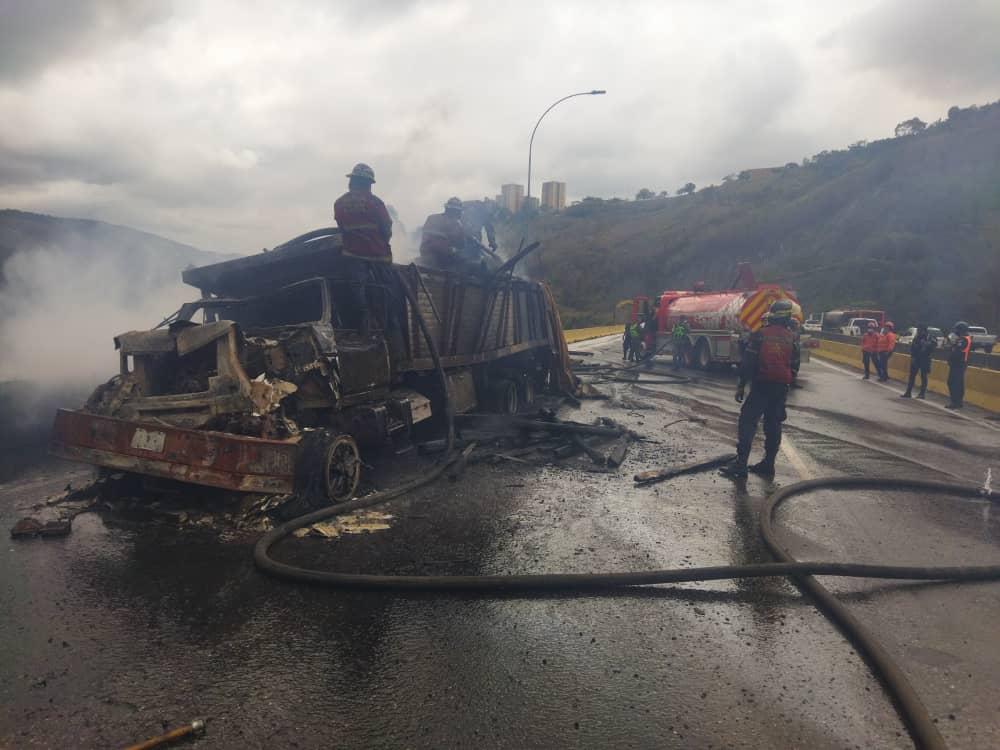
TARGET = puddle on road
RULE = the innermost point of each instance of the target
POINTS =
(362, 522)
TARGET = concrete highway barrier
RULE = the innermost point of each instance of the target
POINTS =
(583, 334)
(982, 386)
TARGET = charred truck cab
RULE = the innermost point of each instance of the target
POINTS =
(265, 383)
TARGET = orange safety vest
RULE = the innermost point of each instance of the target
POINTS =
(886, 341)
(869, 343)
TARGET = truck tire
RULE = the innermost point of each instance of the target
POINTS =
(504, 397)
(329, 468)
(702, 355)
(527, 391)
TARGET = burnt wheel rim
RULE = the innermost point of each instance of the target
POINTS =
(343, 468)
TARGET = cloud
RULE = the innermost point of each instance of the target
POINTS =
(933, 49)
(36, 33)
(229, 125)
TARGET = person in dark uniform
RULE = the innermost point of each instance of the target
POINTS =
(366, 229)
(921, 350)
(477, 217)
(958, 360)
(770, 364)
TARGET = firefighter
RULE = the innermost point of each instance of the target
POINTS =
(921, 350)
(770, 363)
(869, 350)
(443, 240)
(366, 229)
(886, 343)
(627, 340)
(679, 334)
(958, 359)
(477, 217)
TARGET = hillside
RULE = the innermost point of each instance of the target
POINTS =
(910, 224)
(141, 257)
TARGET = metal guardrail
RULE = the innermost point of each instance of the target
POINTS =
(976, 359)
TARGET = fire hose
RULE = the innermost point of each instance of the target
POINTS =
(905, 698)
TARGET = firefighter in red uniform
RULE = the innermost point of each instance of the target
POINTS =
(770, 364)
(443, 239)
(366, 229)
(958, 361)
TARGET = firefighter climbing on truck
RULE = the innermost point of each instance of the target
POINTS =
(477, 217)
(366, 229)
(443, 237)
(447, 244)
(769, 365)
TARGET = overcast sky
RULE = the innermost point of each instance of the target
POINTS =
(230, 125)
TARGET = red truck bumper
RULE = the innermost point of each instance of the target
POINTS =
(214, 459)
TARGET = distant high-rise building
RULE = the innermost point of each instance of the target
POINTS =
(554, 195)
(512, 197)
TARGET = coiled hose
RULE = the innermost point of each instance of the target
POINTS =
(911, 709)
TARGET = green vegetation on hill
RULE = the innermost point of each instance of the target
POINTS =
(909, 224)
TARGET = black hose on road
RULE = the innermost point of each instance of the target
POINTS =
(907, 701)
(911, 709)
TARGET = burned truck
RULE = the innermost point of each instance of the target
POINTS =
(270, 381)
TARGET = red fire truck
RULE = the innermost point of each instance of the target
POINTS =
(719, 322)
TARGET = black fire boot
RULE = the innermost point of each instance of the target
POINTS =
(906, 395)
(735, 470)
(763, 469)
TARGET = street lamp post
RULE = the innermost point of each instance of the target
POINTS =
(531, 143)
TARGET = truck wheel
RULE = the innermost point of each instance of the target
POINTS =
(702, 356)
(527, 391)
(329, 467)
(504, 398)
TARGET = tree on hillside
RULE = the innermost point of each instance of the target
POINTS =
(910, 127)
(663, 194)
(687, 189)
(645, 194)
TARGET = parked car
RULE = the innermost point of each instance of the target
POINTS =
(857, 326)
(911, 332)
(982, 339)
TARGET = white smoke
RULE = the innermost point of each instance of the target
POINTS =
(60, 310)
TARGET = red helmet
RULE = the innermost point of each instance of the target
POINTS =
(871, 325)
(890, 325)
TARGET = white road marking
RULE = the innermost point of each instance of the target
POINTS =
(891, 389)
(795, 458)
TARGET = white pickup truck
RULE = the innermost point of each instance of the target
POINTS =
(982, 339)
(857, 326)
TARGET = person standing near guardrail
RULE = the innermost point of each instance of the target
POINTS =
(958, 360)
(921, 350)
(886, 343)
(869, 350)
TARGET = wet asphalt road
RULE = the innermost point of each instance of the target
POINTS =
(125, 628)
